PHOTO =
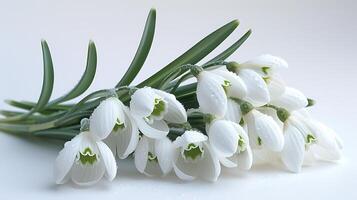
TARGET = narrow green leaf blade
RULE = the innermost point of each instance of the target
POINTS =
(230, 50)
(194, 54)
(142, 51)
(48, 78)
(86, 79)
(47, 85)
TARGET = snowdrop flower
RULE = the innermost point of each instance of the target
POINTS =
(112, 121)
(305, 137)
(154, 157)
(231, 144)
(268, 67)
(152, 108)
(262, 129)
(85, 160)
(211, 93)
(265, 65)
(194, 157)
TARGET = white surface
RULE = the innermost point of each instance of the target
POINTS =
(317, 38)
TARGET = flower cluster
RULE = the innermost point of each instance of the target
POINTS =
(242, 109)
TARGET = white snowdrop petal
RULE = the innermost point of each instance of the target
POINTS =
(237, 87)
(273, 63)
(229, 162)
(65, 159)
(210, 94)
(87, 174)
(176, 112)
(223, 137)
(104, 117)
(276, 87)
(128, 138)
(164, 150)
(185, 170)
(269, 131)
(143, 101)
(257, 90)
(292, 154)
(209, 167)
(189, 137)
(108, 159)
(233, 113)
(157, 130)
(245, 159)
(291, 99)
(141, 154)
(327, 146)
(181, 175)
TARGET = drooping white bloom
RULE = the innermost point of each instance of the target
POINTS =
(291, 99)
(151, 109)
(307, 137)
(265, 64)
(154, 157)
(257, 90)
(195, 158)
(231, 144)
(84, 160)
(211, 95)
(263, 131)
(112, 121)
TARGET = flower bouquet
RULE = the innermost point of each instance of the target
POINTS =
(187, 118)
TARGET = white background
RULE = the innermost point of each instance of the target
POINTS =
(317, 38)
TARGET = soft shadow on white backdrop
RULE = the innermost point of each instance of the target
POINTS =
(317, 38)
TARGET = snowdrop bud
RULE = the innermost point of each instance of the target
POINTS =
(211, 94)
(84, 160)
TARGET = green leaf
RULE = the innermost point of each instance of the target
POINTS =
(142, 51)
(230, 50)
(195, 54)
(60, 134)
(211, 64)
(47, 85)
(48, 77)
(86, 79)
(26, 105)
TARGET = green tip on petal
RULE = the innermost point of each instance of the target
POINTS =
(265, 70)
(87, 157)
(152, 157)
(159, 107)
(192, 151)
(226, 84)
